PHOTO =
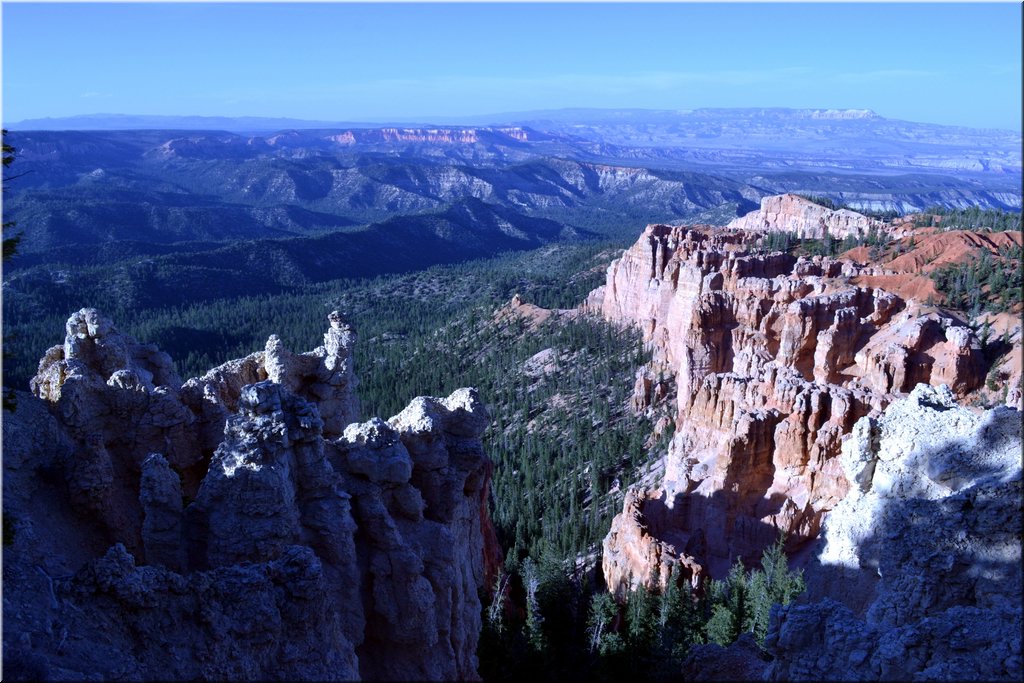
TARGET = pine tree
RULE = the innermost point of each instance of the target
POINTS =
(602, 614)
(719, 627)
(760, 605)
(783, 584)
(534, 619)
(642, 620)
(730, 606)
(679, 622)
(774, 584)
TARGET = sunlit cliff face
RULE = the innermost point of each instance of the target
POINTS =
(774, 360)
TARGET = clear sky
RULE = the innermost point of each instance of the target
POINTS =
(938, 63)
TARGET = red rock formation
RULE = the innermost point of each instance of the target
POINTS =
(904, 267)
(774, 360)
(932, 250)
(517, 309)
(638, 533)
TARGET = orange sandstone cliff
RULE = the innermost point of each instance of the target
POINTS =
(772, 359)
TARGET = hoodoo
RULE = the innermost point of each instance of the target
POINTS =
(244, 524)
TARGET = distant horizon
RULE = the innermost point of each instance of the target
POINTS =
(951, 64)
(499, 118)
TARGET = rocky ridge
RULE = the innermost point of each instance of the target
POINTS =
(771, 359)
(804, 218)
(241, 525)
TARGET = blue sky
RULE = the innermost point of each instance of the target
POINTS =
(940, 63)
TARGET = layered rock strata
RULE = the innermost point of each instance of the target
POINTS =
(302, 544)
(922, 559)
(774, 359)
(793, 214)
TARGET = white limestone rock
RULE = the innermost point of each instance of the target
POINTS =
(925, 552)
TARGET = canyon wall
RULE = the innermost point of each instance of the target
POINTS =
(773, 360)
(242, 525)
(917, 572)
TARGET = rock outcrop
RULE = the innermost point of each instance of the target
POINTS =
(774, 359)
(324, 376)
(804, 218)
(743, 660)
(299, 545)
(922, 559)
(119, 401)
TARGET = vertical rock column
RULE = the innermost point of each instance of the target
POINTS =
(160, 496)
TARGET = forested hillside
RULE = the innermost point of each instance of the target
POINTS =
(561, 434)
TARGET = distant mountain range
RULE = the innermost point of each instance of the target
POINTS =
(155, 217)
(90, 187)
(238, 124)
(170, 186)
(569, 116)
(731, 140)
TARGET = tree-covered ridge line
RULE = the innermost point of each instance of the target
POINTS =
(822, 201)
(788, 242)
(946, 218)
(971, 218)
(829, 203)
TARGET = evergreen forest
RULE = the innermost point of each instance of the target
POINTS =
(566, 630)
(983, 283)
(970, 218)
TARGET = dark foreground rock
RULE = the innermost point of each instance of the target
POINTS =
(243, 525)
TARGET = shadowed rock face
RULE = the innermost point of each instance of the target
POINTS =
(242, 525)
(774, 360)
(922, 560)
